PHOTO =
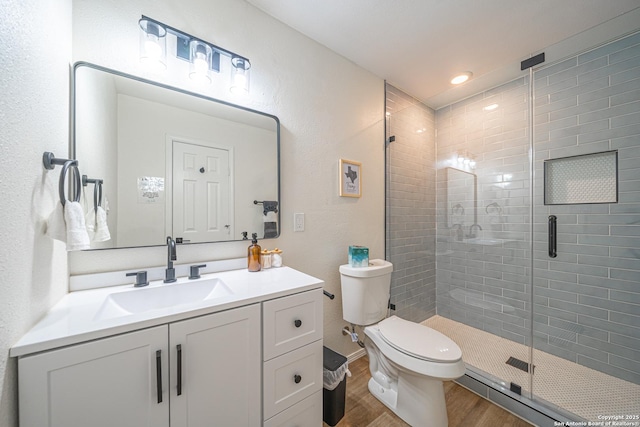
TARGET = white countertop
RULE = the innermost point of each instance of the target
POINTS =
(75, 318)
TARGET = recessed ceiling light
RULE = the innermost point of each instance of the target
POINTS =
(461, 78)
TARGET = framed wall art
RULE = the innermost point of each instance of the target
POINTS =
(350, 178)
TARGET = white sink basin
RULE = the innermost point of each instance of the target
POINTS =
(161, 296)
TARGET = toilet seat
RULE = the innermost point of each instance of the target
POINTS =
(419, 341)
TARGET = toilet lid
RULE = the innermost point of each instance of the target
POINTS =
(418, 340)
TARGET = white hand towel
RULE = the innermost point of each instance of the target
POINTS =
(102, 229)
(91, 222)
(56, 227)
(77, 236)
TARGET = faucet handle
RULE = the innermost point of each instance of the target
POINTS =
(141, 278)
(194, 271)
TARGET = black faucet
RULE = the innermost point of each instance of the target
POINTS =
(170, 272)
(471, 234)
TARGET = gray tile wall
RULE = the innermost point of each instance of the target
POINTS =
(411, 205)
(586, 302)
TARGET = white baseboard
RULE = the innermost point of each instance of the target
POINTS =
(356, 355)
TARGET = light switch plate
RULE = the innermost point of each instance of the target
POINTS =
(298, 222)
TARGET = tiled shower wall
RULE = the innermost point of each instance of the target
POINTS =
(587, 300)
(411, 205)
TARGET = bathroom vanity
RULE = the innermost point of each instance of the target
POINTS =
(231, 348)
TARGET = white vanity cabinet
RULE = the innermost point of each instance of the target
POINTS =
(292, 352)
(104, 383)
(182, 374)
(245, 350)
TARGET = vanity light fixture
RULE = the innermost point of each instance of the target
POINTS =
(204, 57)
(461, 78)
(465, 159)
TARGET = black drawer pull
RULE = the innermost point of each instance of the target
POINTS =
(553, 238)
(297, 378)
(159, 375)
(179, 348)
(298, 323)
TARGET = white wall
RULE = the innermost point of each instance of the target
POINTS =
(35, 51)
(328, 107)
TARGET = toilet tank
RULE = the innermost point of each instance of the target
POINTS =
(365, 292)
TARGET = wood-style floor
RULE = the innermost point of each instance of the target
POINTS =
(464, 408)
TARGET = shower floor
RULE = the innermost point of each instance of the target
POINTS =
(582, 391)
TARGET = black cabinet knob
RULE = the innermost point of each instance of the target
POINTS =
(297, 378)
(298, 323)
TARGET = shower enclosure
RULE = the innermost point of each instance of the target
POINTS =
(526, 250)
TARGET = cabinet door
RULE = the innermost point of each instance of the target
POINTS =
(215, 369)
(104, 383)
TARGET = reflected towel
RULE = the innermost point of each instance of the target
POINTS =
(91, 222)
(269, 206)
(77, 236)
(270, 224)
(102, 229)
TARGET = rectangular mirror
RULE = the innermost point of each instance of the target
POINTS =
(173, 163)
(461, 198)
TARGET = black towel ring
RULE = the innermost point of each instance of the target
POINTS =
(97, 195)
(97, 190)
(50, 161)
(76, 185)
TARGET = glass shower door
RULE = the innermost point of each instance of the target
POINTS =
(586, 294)
(484, 233)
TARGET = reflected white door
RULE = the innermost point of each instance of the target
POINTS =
(202, 198)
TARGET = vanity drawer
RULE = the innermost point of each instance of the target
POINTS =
(302, 414)
(292, 377)
(291, 322)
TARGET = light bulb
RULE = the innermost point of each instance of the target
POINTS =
(152, 45)
(200, 57)
(239, 82)
(461, 78)
(240, 75)
(152, 48)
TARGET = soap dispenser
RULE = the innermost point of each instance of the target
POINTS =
(253, 254)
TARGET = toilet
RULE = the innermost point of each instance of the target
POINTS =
(408, 361)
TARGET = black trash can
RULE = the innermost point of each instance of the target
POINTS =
(335, 386)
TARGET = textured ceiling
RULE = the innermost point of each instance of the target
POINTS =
(418, 45)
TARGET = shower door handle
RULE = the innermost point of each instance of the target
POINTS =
(553, 243)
